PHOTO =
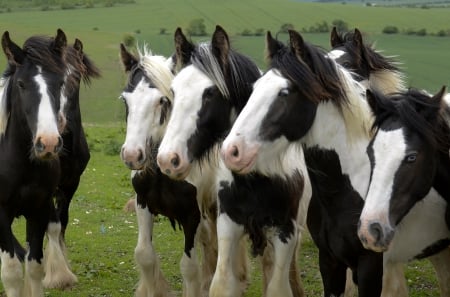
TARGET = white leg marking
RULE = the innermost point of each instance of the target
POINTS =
(56, 266)
(34, 274)
(191, 274)
(283, 254)
(225, 282)
(151, 282)
(11, 275)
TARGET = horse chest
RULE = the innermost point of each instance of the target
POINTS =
(259, 203)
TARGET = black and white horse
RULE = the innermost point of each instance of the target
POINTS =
(212, 87)
(374, 70)
(410, 171)
(30, 143)
(148, 102)
(73, 161)
(382, 74)
(307, 99)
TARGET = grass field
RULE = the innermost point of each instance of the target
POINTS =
(102, 29)
(101, 237)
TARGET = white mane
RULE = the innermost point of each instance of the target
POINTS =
(357, 115)
(157, 69)
(387, 81)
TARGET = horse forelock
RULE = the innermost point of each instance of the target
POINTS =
(204, 59)
(38, 50)
(405, 105)
(157, 70)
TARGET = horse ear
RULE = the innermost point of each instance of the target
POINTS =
(335, 38)
(358, 39)
(431, 110)
(60, 42)
(128, 60)
(13, 52)
(183, 48)
(220, 44)
(78, 46)
(441, 94)
(272, 46)
(297, 45)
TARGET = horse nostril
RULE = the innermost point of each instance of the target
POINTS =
(39, 146)
(376, 231)
(59, 146)
(175, 161)
(235, 151)
(140, 156)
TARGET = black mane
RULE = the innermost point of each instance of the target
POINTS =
(39, 49)
(239, 75)
(317, 72)
(367, 53)
(409, 107)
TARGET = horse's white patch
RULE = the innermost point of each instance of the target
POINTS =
(143, 115)
(188, 87)
(245, 130)
(389, 149)
(329, 131)
(4, 114)
(336, 54)
(423, 225)
(264, 93)
(46, 117)
(11, 273)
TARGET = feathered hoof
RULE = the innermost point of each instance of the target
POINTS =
(61, 281)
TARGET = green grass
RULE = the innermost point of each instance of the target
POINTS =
(101, 237)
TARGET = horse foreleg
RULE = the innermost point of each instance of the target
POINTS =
(441, 264)
(34, 270)
(11, 274)
(56, 266)
(394, 283)
(284, 250)
(152, 282)
(207, 236)
(225, 282)
(189, 265)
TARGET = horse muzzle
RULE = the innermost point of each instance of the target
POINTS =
(375, 235)
(47, 147)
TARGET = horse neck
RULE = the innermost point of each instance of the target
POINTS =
(331, 132)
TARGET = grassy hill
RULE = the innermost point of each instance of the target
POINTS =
(102, 29)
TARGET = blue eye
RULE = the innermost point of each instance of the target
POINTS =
(411, 157)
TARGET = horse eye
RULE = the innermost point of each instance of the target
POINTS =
(347, 65)
(283, 92)
(162, 100)
(21, 84)
(411, 158)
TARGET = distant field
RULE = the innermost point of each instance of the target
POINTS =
(426, 59)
